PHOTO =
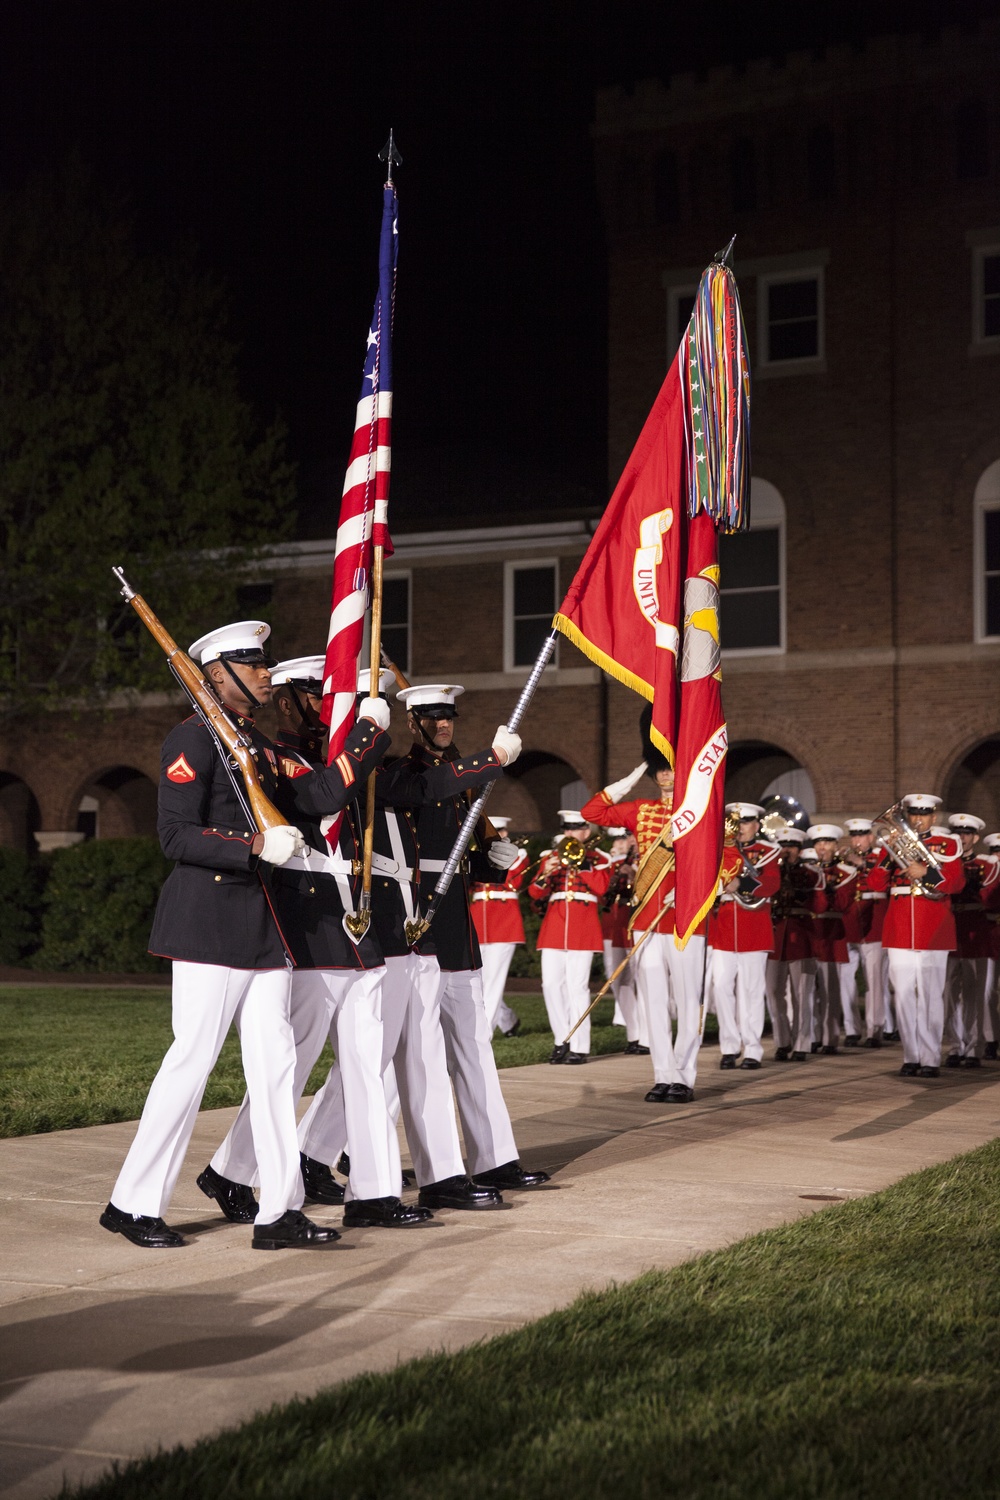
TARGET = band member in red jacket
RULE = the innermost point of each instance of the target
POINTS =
(496, 915)
(970, 967)
(741, 937)
(991, 900)
(863, 921)
(616, 911)
(791, 968)
(918, 935)
(835, 987)
(570, 934)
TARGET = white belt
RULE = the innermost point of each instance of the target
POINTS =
(904, 890)
(396, 841)
(383, 865)
(432, 866)
(494, 896)
(314, 863)
(873, 895)
(571, 896)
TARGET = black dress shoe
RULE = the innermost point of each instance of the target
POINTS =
(727, 1060)
(872, 1041)
(953, 1060)
(577, 1058)
(890, 1036)
(319, 1182)
(970, 1062)
(510, 1175)
(293, 1231)
(852, 1040)
(560, 1053)
(679, 1093)
(636, 1049)
(782, 1054)
(234, 1198)
(909, 1070)
(816, 1047)
(930, 1072)
(750, 1063)
(344, 1164)
(458, 1192)
(991, 1051)
(149, 1234)
(800, 1056)
(829, 1051)
(658, 1094)
(409, 1178)
(383, 1213)
(513, 1030)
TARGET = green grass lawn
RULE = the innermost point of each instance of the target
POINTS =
(78, 1056)
(853, 1354)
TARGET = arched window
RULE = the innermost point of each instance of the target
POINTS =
(986, 554)
(972, 141)
(752, 578)
(821, 163)
(743, 175)
(756, 769)
(666, 189)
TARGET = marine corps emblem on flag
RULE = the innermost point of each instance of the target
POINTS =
(180, 771)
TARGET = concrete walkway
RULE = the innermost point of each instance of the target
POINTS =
(107, 1351)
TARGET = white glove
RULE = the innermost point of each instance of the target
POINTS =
(375, 709)
(502, 854)
(619, 790)
(506, 746)
(281, 843)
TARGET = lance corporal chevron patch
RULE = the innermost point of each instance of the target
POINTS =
(181, 771)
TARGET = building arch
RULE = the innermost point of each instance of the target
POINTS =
(117, 802)
(973, 783)
(756, 769)
(20, 817)
(532, 791)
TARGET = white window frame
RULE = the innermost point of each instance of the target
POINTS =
(509, 570)
(767, 513)
(812, 362)
(981, 341)
(986, 498)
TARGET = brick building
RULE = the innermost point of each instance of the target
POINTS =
(861, 614)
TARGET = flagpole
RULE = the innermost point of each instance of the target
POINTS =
(416, 929)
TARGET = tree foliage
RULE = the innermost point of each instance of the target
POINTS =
(124, 439)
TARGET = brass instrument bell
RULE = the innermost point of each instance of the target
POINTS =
(572, 852)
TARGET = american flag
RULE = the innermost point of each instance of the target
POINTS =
(364, 504)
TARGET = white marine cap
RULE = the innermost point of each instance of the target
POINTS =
(992, 841)
(788, 835)
(301, 671)
(810, 856)
(500, 822)
(965, 823)
(385, 681)
(858, 825)
(433, 695)
(243, 639)
(824, 831)
(921, 802)
(571, 817)
(745, 810)
(614, 833)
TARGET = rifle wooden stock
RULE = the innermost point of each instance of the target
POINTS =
(198, 689)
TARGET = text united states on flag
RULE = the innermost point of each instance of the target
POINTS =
(364, 505)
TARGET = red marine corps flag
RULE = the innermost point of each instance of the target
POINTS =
(644, 604)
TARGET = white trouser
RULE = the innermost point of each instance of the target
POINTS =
(791, 993)
(991, 1012)
(829, 991)
(414, 1078)
(967, 986)
(849, 996)
(627, 1009)
(206, 1000)
(738, 986)
(872, 956)
(664, 972)
(496, 964)
(486, 1127)
(918, 976)
(566, 991)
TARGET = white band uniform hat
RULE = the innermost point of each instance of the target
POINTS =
(305, 672)
(435, 700)
(810, 856)
(614, 833)
(965, 823)
(789, 836)
(746, 811)
(385, 681)
(571, 817)
(500, 822)
(241, 641)
(992, 841)
(921, 802)
(859, 825)
(824, 831)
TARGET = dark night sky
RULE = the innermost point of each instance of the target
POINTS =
(252, 128)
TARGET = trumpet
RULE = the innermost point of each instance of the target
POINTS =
(748, 873)
(571, 852)
(894, 834)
